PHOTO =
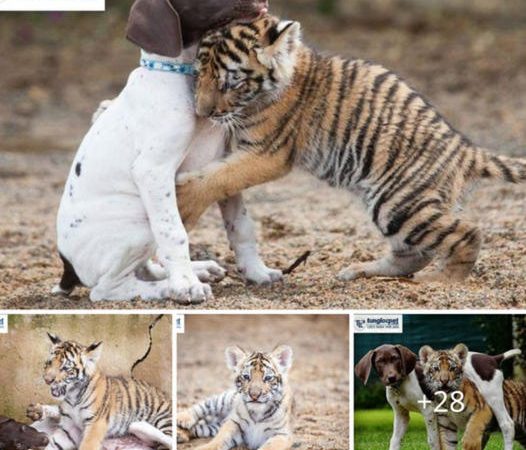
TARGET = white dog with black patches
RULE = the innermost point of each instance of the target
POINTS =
(118, 212)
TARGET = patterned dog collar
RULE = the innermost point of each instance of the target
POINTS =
(164, 66)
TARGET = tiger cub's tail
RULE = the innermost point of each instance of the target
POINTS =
(490, 165)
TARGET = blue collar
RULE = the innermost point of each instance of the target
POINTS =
(165, 66)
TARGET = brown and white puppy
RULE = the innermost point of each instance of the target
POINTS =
(17, 436)
(395, 366)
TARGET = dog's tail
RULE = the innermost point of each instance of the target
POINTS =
(69, 280)
(507, 355)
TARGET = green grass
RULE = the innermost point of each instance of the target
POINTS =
(372, 431)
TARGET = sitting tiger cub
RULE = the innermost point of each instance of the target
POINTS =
(95, 406)
(351, 123)
(443, 370)
(257, 413)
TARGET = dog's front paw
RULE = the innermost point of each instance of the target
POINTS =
(208, 271)
(35, 412)
(189, 292)
(257, 272)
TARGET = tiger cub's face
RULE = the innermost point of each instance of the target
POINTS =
(260, 377)
(68, 364)
(244, 64)
(443, 369)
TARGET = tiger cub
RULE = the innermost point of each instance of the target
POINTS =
(95, 406)
(257, 413)
(351, 123)
(442, 370)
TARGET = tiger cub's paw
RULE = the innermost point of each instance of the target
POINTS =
(183, 436)
(186, 419)
(353, 273)
(35, 412)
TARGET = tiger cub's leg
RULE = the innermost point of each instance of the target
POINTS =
(476, 427)
(277, 443)
(397, 264)
(204, 419)
(66, 436)
(457, 243)
(94, 435)
(229, 436)
(196, 191)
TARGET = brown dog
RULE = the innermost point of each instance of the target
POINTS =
(17, 436)
(392, 363)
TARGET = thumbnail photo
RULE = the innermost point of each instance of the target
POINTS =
(444, 380)
(263, 381)
(86, 382)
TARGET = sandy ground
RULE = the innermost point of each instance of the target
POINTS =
(319, 375)
(473, 71)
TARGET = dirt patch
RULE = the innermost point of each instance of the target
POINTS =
(473, 70)
(319, 375)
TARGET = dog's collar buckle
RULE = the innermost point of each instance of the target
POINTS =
(166, 66)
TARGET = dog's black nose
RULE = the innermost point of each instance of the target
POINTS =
(392, 379)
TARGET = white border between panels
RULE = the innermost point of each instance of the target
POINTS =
(52, 5)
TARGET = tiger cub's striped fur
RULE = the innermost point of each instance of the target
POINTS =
(95, 406)
(257, 413)
(442, 370)
(349, 122)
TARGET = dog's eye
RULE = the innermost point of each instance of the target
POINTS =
(246, 376)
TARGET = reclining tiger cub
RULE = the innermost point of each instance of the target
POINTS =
(445, 370)
(351, 123)
(256, 414)
(95, 407)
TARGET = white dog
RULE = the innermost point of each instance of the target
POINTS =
(118, 210)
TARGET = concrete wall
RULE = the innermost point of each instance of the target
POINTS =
(24, 349)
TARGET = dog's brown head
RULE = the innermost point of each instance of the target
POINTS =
(165, 27)
(17, 436)
(392, 363)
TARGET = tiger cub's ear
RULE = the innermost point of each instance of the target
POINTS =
(282, 354)
(93, 352)
(234, 356)
(283, 40)
(462, 352)
(55, 340)
(424, 353)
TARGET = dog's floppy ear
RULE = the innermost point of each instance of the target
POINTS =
(408, 359)
(155, 26)
(363, 368)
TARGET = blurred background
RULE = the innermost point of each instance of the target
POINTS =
(491, 334)
(467, 56)
(25, 348)
(319, 376)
